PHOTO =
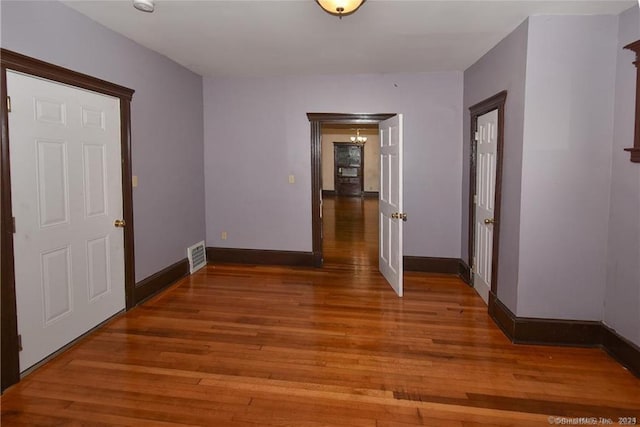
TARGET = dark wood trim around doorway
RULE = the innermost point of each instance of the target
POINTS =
(496, 102)
(10, 368)
(317, 120)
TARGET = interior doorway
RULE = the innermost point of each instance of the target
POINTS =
(317, 120)
(350, 166)
(350, 154)
(485, 193)
(390, 208)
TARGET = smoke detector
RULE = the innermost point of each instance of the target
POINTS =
(144, 5)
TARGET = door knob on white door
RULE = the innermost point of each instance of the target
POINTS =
(119, 223)
(399, 215)
(489, 221)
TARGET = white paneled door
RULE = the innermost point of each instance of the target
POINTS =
(390, 206)
(66, 189)
(486, 151)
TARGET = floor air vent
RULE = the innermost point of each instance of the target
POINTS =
(197, 257)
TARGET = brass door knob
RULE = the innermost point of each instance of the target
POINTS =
(119, 223)
(399, 215)
(489, 221)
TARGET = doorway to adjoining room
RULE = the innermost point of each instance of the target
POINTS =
(350, 190)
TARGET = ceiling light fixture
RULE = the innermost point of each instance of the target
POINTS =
(359, 139)
(340, 8)
(144, 5)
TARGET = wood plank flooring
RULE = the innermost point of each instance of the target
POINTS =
(350, 230)
(275, 346)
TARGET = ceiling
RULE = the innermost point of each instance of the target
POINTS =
(285, 37)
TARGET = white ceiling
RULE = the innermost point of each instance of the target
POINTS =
(283, 37)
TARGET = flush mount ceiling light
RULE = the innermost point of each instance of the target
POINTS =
(340, 8)
(144, 5)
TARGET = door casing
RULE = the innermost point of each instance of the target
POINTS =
(496, 102)
(10, 367)
(317, 120)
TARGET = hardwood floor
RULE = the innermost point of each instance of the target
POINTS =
(275, 346)
(350, 230)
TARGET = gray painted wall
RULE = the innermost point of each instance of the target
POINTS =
(257, 133)
(574, 237)
(167, 129)
(502, 68)
(566, 168)
(622, 298)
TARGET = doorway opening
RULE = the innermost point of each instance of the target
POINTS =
(350, 190)
(317, 120)
(390, 206)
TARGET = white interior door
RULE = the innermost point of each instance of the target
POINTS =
(390, 206)
(66, 194)
(485, 195)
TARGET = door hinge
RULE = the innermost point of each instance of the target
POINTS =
(19, 342)
(8, 103)
(475, 199)
(476, 136)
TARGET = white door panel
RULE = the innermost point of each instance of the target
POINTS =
(486, 152)
(66, 193)
(390, 257)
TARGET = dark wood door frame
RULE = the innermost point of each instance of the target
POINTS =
(496, 102)
(317, 120)
(10, 365)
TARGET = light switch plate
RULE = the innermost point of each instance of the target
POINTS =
(134, 181)
(292, 179)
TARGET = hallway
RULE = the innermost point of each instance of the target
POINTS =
(350, 232)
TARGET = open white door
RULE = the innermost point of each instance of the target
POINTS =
(390, 206)
(485, 195)
(66, 187)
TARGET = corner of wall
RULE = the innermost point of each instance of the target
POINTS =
(502, 68)
(621, 308)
